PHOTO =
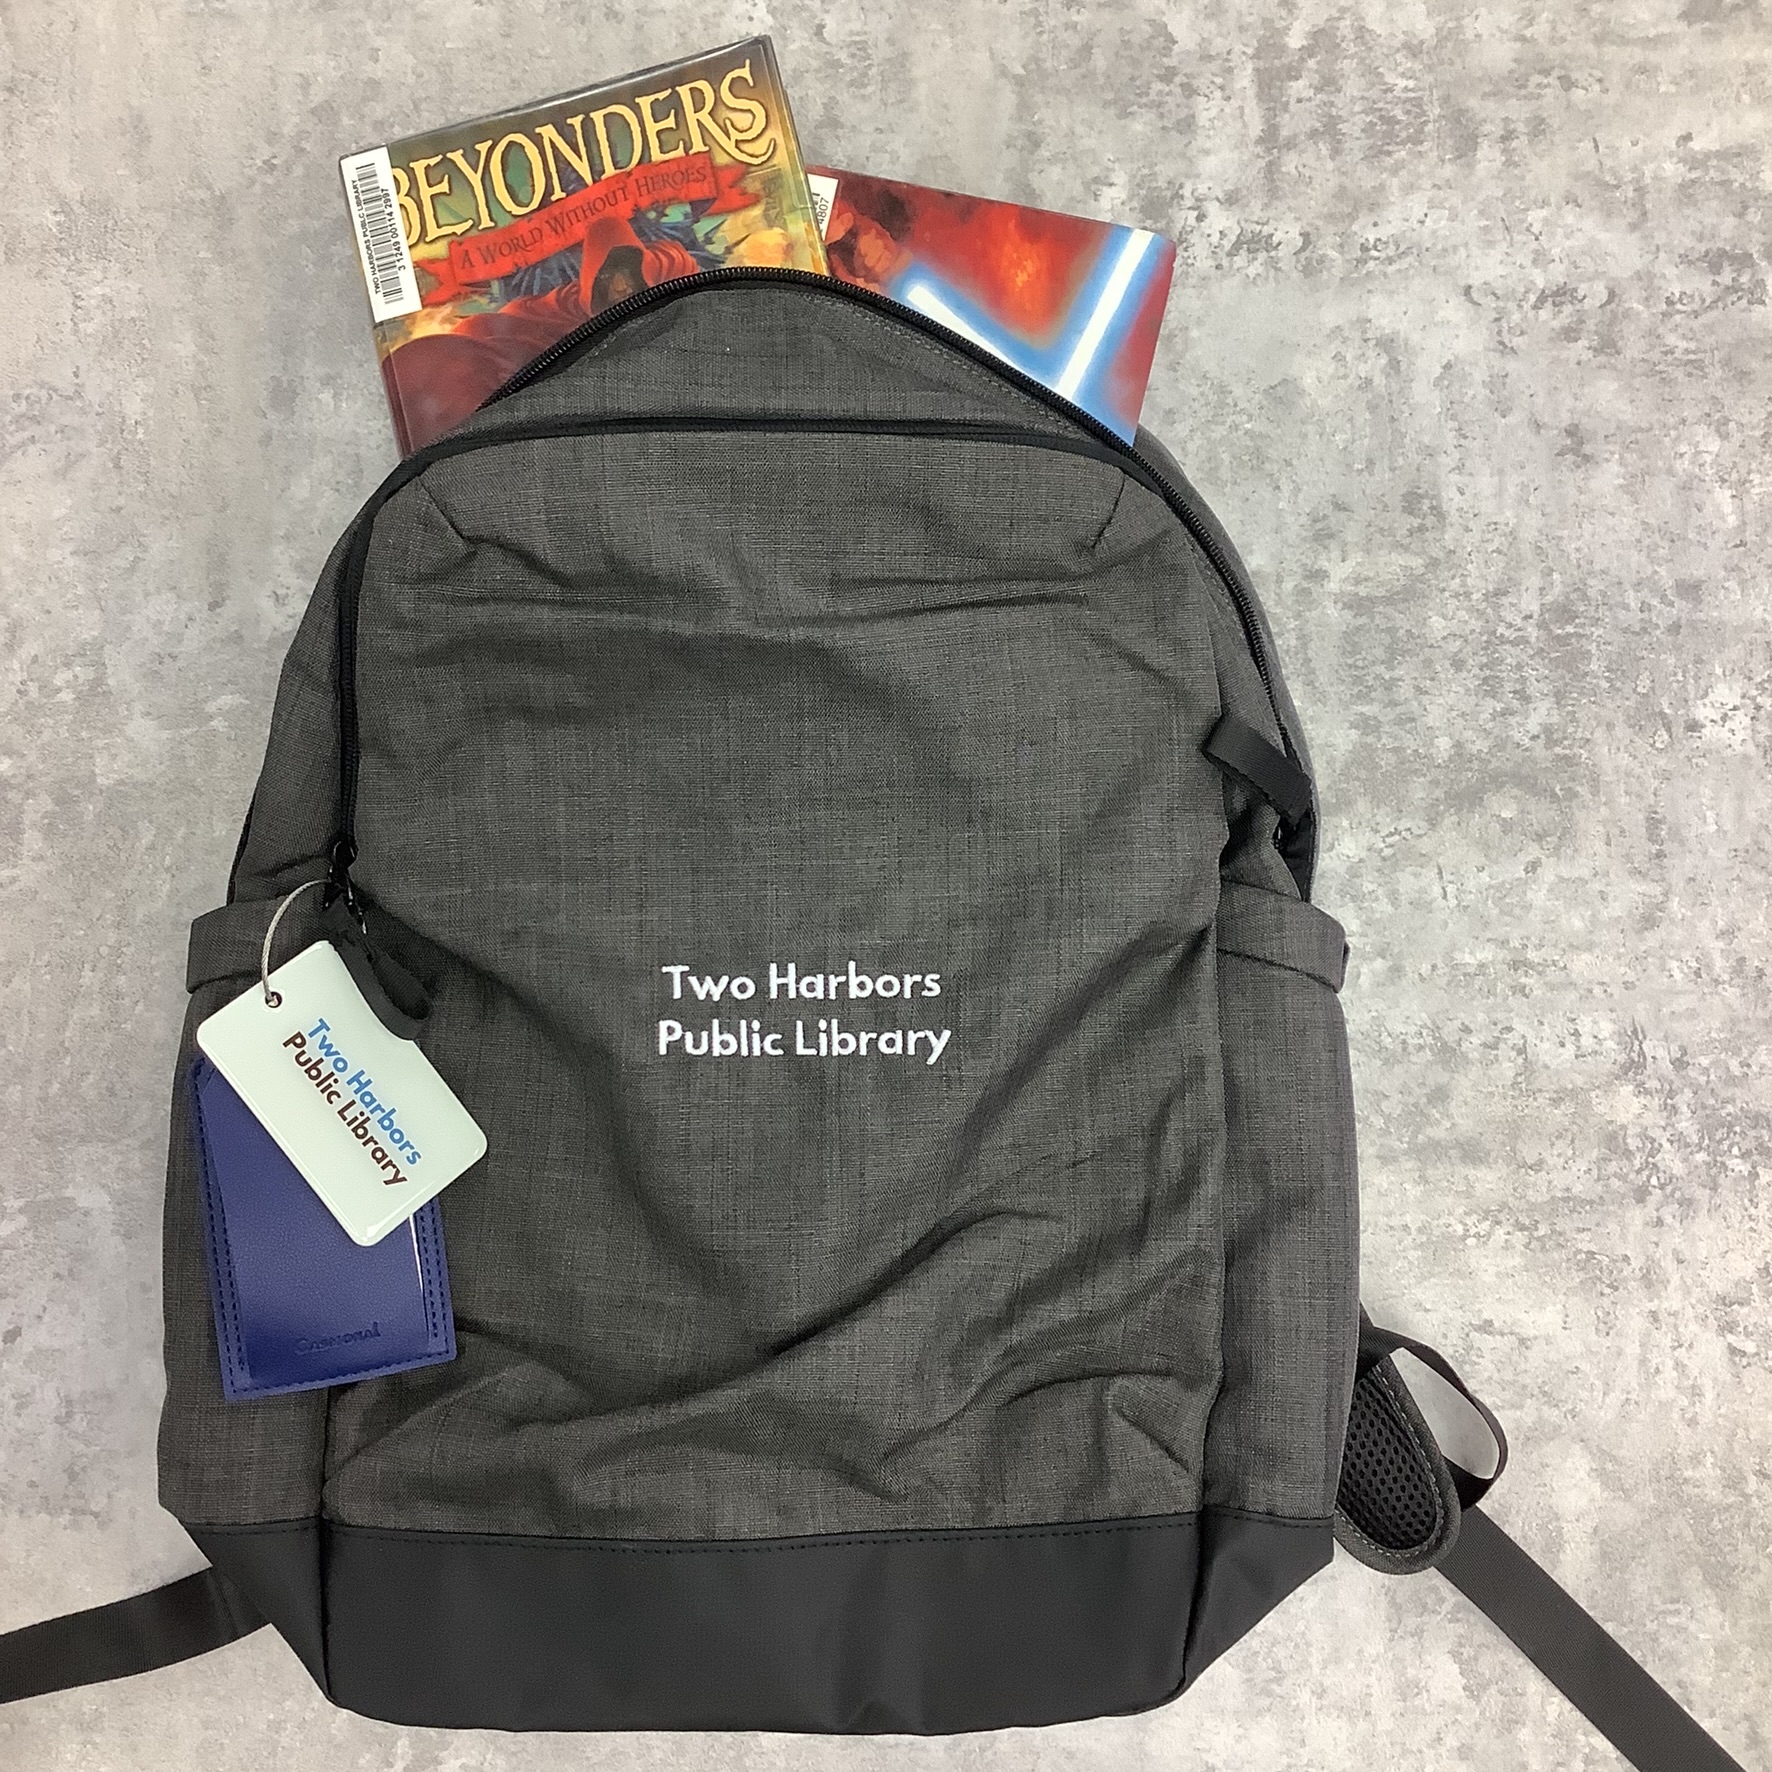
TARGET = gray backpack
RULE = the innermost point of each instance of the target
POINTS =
(832, 813)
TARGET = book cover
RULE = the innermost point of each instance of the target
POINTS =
(484, 243)
(1076, 304)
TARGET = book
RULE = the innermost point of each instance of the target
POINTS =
(484, 243)
(1076, 304)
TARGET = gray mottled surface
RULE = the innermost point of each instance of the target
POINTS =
(1469, 345)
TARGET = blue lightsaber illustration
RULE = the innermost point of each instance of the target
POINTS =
(1070, 364)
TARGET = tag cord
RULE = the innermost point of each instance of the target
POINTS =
(274, 999)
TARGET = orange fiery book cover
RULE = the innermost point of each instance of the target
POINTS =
(483, 244)
(1073, 303)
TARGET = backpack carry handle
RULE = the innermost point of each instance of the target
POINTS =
(1275, 775)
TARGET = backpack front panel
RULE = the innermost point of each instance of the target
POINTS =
(804, 1290)
(643, 713)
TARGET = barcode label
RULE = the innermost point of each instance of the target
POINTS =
(381, 242)
(824, 200)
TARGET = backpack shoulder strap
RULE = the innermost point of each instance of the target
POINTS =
(1404, 1506)
(1581, 1659)
(172, 1623)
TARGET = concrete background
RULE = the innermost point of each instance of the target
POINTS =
(1468, 345)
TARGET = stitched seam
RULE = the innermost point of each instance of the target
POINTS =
(421, 1265)
(1391, 1382)
(1231, 888)
(357, 1373)
(421, 1248)
(247, 1388)
(229, 1334)
(445, 1313)
(306, 1524)
(1107, 522)
(436, 505)
(1366, 1538)
(813, 1542)
(537, 1542)
(1370, 1542)
(354, 1376)
(1290, 966)
(444, 1304)
(1261, 1519)
(242, 971)
(431, 1240)
(896, 331)
(431, 1264)
(309, 1521)
(1387, 1551)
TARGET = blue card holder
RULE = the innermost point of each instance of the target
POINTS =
(297, 1303)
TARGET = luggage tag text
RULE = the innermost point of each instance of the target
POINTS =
(361, 1113)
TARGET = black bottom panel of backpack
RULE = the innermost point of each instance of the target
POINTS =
(899, 1632)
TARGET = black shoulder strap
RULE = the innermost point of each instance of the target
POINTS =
(1404, 1506)
(1587, 1665)
(167, 1624)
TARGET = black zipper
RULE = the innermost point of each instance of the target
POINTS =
(1097, 442)
(558, 354)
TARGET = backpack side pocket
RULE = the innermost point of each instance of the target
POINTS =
(1291, 1213)
(221, 1462)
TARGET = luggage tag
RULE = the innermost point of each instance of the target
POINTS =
(360, 1113)
(297, 1304)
